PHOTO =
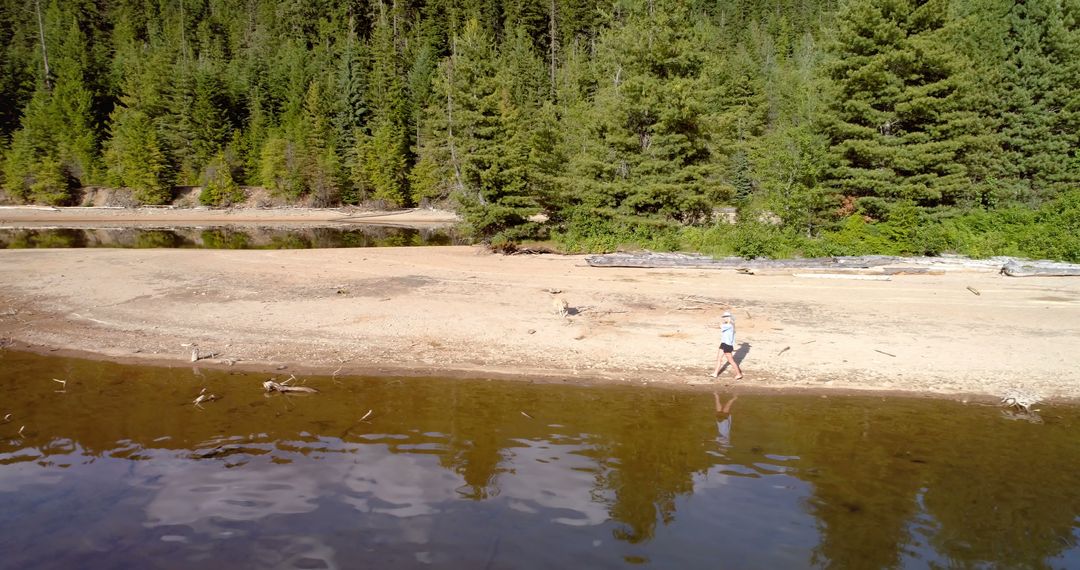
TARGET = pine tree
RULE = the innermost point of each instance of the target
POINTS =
(898, 127)
(134, 157)
(18, 45)
(649, 153)
(351, 106)
(383, 156)
(791, 153)
(210, 125)
(55, 149)
(34, 141)
(419, 88)
(314, 138)
(176, 124)
(254, 137)
(218, 186)
(740, 107)
(521, 70)
(280, 166)
(1039, 83)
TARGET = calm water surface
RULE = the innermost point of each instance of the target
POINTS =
(118, 469)
(295, 236)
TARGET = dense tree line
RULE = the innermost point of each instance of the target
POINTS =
(835, 126)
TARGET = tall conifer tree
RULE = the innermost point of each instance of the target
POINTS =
(649, 152)
(898, 126)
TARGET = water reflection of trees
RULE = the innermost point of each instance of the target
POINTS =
(46, 238)
(864, 481)
(649, 457)
(476, 443)
(228, 237)
(1007, 498)
(891, 480)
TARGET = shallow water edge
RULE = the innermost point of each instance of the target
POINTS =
(761, 384)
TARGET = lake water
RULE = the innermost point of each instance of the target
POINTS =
(283, 236)
(118, 469)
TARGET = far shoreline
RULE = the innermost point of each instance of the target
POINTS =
(184, 215)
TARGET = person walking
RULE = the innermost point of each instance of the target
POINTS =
(727, 346)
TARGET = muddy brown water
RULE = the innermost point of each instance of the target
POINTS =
(118, 469)
(284, 236)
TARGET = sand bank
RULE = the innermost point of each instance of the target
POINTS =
(461, 310)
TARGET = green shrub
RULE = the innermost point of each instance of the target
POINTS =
(755, 239)
(599, 231)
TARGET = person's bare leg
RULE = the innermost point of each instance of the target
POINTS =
(719, 363)
(727, 407)
(734, 365)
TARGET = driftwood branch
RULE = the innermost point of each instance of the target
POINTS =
(704, 300)
(271, 386)
(203, 397)
(197, 355)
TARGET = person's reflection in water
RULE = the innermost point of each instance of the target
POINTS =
(723, 420)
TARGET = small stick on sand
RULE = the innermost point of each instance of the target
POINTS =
(885, 353)
(697, 299)
(974, 290)
(785, 349)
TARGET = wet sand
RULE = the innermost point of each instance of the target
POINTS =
(462, 311)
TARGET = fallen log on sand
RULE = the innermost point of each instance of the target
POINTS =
(872, 264)
(1017, 268)
(650, 259)
(842, 276)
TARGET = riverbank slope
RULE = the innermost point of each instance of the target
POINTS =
(461, 310)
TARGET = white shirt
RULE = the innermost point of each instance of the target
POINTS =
(727, 334)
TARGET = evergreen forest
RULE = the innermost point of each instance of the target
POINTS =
(827, 127)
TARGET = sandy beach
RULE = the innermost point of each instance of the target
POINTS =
(464, 311)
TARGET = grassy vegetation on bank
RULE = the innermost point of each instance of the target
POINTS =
(1049, 232)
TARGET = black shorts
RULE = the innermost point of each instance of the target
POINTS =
(727, 348)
